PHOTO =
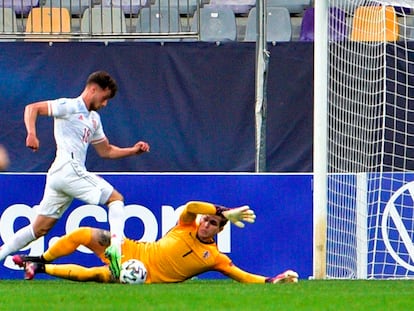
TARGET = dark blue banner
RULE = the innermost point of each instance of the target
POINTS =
(280, 239)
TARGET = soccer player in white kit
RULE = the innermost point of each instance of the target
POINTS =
(76, 125)
(4, 158)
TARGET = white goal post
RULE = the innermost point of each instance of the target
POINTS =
(363, 158)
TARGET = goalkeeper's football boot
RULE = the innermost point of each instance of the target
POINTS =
(114, 256)
(289, 276)
(31, 268)
(20, 260)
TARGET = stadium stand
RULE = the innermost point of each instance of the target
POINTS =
(337, 22)
(347, 5)
(75, 7)
(48, 20)
(279, 27)
(7, 20)
(293, 6)
(216, 24)
(369, 27)
(184, 6)
(401, 11)
(409, 31)
(128, 6)
(103, 21)
(22, 7)
(237, 6)
(81, 31)
(163, 21)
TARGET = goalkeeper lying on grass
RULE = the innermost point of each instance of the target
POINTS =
(187, 250)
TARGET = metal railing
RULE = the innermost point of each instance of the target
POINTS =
(99, 20)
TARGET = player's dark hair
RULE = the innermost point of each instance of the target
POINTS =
(223, 221)
(104, 80)
(219, 212)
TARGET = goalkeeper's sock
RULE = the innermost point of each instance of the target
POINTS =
(67, 244)
(79, 273)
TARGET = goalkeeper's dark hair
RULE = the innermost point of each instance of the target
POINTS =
(223, 221)
(219, 212)
(104, 80)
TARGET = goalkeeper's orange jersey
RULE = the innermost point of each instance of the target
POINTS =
(180, 255)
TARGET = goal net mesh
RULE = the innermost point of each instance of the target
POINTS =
(370, 132)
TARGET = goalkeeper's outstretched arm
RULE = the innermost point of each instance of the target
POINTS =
(237, 215)
(225, 266)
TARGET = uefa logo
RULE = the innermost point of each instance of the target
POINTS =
(397, 226)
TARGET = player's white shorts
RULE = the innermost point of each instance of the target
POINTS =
(72, 181)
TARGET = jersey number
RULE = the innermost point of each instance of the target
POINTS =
(86, 134)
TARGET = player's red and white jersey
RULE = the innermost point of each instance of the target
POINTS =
(74, 128)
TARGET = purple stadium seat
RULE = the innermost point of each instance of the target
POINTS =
(401, 11)
(337, 21)
(19, 6)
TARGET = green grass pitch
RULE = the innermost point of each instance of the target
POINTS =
(211, 295)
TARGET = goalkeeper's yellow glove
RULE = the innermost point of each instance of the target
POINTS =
(238, 215)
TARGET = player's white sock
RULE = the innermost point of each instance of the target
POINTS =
(19, 240)
(116, 219)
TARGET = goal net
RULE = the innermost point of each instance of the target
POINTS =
(369, 139)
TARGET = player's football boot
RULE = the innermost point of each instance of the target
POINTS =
(113, 255)
(30, 270)
(289, 276)
(20, 260)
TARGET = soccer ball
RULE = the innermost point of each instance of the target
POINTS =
(133, 271)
